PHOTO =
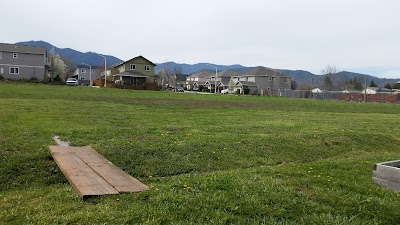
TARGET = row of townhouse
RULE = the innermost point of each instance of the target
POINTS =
(256, 81)
(22, 61)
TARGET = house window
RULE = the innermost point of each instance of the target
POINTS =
(1, 55)
(286, 80)
(14, 70)
(147, 67)
(269, 78)
(93, 71)
(15, 55)
(1, 70)
(82, 78)
(268, 88)
(133, 66)
(83, 70)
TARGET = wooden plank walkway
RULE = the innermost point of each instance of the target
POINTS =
(91, 174)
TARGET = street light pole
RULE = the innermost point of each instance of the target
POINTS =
(90, 73)
(216, 76)
(105, 68)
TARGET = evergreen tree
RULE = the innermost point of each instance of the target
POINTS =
(350, 81)
(372, 84)
(357, 84)
(328, 82)
(388, 86)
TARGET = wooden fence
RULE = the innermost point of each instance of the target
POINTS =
(110, 84)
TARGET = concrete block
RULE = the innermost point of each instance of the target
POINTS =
(387, 174)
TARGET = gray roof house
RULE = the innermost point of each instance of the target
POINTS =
(83, 74)
(195, 80)
(224, 77)
(22, 61)
(222, 80)
(260, 80)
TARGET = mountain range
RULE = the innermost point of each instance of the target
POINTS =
(75, 56)
(300, 76)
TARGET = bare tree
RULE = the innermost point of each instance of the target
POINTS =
(328, 72)
(167, 74)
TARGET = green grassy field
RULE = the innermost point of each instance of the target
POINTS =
(208, 159)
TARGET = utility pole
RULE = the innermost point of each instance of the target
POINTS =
(365, 91)
(312, 87)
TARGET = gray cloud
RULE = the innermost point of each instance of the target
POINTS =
(358, 36)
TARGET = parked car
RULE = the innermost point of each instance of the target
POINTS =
(179, 89)
(227, 91)
(72, 82)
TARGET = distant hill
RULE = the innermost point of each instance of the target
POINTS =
(194, 68)
(345, 76)
(339, 78)
(301, 76)
(76, 57)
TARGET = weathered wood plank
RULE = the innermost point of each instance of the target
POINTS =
(84, 180)
(116, 177)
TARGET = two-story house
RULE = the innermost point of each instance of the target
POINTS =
(84, 74)
(137, 71)
(195, 80)
(22, 61)
(224, 77)
(261, 79)
(221, 79)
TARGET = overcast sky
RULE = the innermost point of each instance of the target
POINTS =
(354, 35)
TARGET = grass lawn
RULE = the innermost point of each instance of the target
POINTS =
(208, 159)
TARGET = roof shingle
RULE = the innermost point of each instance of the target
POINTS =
(17, 48)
